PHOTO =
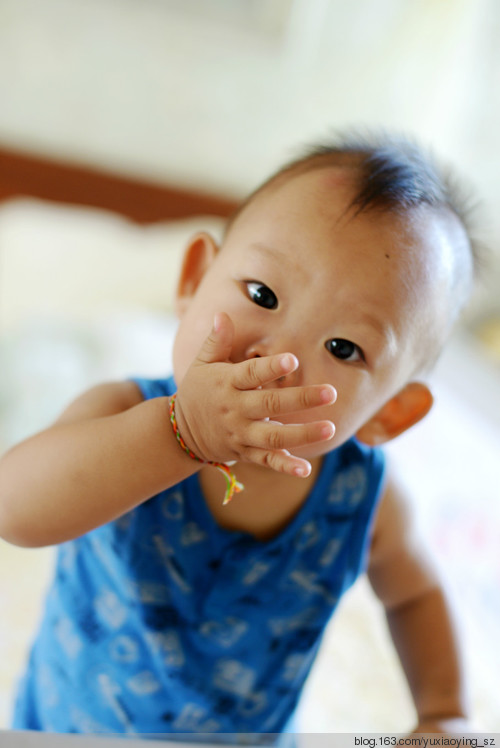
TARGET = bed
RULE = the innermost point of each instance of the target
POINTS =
(88, 262)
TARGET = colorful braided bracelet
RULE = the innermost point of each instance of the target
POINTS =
(232, 485)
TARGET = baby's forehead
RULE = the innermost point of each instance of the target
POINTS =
(430, 242)
(335, 185)
(330, 193)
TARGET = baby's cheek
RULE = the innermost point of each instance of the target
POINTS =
(346, 420)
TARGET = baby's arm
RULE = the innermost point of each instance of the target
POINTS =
(419, 617)
(110, 450)
(107, 452)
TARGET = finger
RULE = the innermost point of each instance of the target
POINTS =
(217, 345)
(281, 461)
(275, 402)
(259, 371)
(274, 436)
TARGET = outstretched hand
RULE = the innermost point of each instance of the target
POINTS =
(224, 411)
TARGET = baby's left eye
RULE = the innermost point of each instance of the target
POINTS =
(345, 350)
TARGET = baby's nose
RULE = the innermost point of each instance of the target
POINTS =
(268, 347)
(258, 351)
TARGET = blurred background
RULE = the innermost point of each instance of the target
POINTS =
(213, 95)
(217, 93)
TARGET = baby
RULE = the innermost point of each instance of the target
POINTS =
(302, 347)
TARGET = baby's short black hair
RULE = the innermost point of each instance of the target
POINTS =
(394, 174)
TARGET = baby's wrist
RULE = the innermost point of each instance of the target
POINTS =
(232, 485)
(182, 431)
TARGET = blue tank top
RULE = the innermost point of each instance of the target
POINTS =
(163, 622)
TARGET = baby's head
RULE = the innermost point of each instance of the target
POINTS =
(356, 258)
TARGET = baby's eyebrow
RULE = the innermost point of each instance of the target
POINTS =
(382, 329)
(274, 254)
(374, 322)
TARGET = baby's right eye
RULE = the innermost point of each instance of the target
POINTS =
(261, 294)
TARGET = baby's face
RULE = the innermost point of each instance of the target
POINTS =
(357, 300)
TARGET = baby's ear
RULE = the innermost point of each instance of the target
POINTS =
(198, 256)
(401, 412)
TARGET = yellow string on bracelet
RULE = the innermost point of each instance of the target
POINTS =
(232, 485)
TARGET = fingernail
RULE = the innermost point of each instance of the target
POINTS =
(327, 431)
(327, 395)
(216, 323)
(288, 362)
(302, 471)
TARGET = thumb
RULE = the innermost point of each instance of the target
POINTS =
(217, 346)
